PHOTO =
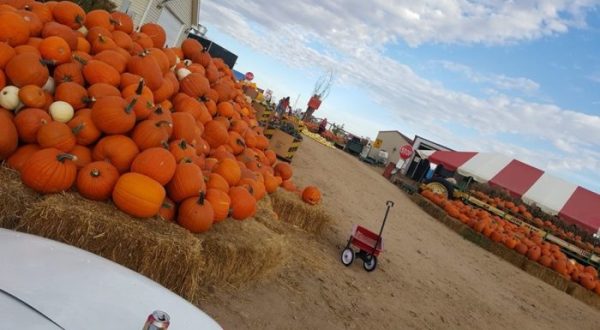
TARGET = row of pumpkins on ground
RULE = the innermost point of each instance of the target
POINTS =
(88, 102)
(521, 239)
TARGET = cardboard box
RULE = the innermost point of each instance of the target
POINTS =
(262, 112)
(251, 92)
(283, 144)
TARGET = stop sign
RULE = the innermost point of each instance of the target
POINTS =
(249, 76)
(406, 151)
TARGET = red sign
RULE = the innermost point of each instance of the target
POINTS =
(314, 103)
(406, 151)
(249, 76)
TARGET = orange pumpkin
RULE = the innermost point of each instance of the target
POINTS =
(56, 135)
(83, 127)
(311, 195)
(187, 182)
(196, 214)
(95, 71)
(26, 69)
(243, 203)
(156, 163)
(220, 202)
(112, 115)
(230, 170)
(123, 22)
(168, 210)
(97, 180)
(138, 195)
(13, 28)
(32, 96)
(28, 122)
(151, 133)
(284, 170)
(74, 94)
(83, 155)
(69, 72)
(215, 134)
(216, 181)
(181, 150)
(156, 33)
(118, 150)
(49, 171)
(55, 49)
(20, 157)
(69, 13)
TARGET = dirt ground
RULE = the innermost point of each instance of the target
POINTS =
(427, 278)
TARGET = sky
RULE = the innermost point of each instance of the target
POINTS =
(519, 77)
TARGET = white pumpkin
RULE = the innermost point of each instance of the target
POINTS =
(49, 85)
(61, 111)
(83, 30)
(9, 97)
(182, 73)
(177, 61)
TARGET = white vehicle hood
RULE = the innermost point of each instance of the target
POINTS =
(79, 290)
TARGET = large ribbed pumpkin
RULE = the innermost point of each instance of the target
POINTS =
(187, 182)
(196, 214)
(230, 170)
(157, 163)
(138, 195)
(220, 202)
(49, 171)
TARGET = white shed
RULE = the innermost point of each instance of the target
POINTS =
(175, 16)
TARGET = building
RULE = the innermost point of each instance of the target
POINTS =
(390, 141)
(416, 166)
(177, 17)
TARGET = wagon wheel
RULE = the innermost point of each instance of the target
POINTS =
(370, 263)
(347, 256)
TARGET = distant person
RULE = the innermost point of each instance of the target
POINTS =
(323, 125)
(282, 106)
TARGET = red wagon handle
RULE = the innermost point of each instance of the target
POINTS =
(389, 205)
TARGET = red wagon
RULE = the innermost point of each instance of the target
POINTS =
(368, 243)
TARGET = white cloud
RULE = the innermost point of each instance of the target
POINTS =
(357, 32)
(497, 80)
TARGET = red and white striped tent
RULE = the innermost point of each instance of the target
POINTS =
(553, 195)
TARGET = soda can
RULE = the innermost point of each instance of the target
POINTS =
(158, 320)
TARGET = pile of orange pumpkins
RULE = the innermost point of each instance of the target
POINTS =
(521, 239)
(92, 104)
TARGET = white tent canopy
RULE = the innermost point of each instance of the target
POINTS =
(549, 193)
(484, 166)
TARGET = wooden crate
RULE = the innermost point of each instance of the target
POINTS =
(263, 113)
(251, 92)
(283, 144)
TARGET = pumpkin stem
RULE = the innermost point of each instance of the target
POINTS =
(115, 22)
(80, 59)
(159, 110)
(201, 198)
(183, 144)
(95, 172)
(77, 129)
(165, 145)
(62, 157)
(88, 100)
(240, 142)
(140, 87)
(47, 62)
(167, 205)
(130, 106)
(79, 19)
(186, 160)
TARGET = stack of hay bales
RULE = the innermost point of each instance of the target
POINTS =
(291, 209)
(15, 198)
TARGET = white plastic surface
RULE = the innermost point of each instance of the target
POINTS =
(79, 290)
(484, 166)
(549, 193)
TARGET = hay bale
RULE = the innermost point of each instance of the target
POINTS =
(240, 251)
(267, 216)
(162, 251)
(587, 296)
(15, 198)
(292, 209)
(546, 274)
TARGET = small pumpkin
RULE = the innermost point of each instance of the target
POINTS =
(168, 210)
(55, 49)
(220, 202)
(215, 133)
(187, 182)
(283, 170)
(69, 13)
(138, 195)
(216, 181)
(97, 180)
(311, 195)
(118, 150)
(243, 203)
(72, 93)
(181, 150)
(26, 69)
(156, 33)
(14, 30)
(156, 163)
(49, 171)
(56, 135)
(9, 98)
(28, 122)
(196, 214)
(69, 72)
(32, 96)
(83, 127)
(20, 157)
(61, 111)
(112, 115)
(151, 133)
(83, 155)
(230, 170)
(9, 138)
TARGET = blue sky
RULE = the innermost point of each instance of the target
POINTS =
(522, 78)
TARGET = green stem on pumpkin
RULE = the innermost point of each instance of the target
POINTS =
(130, 106)
(140, 87)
